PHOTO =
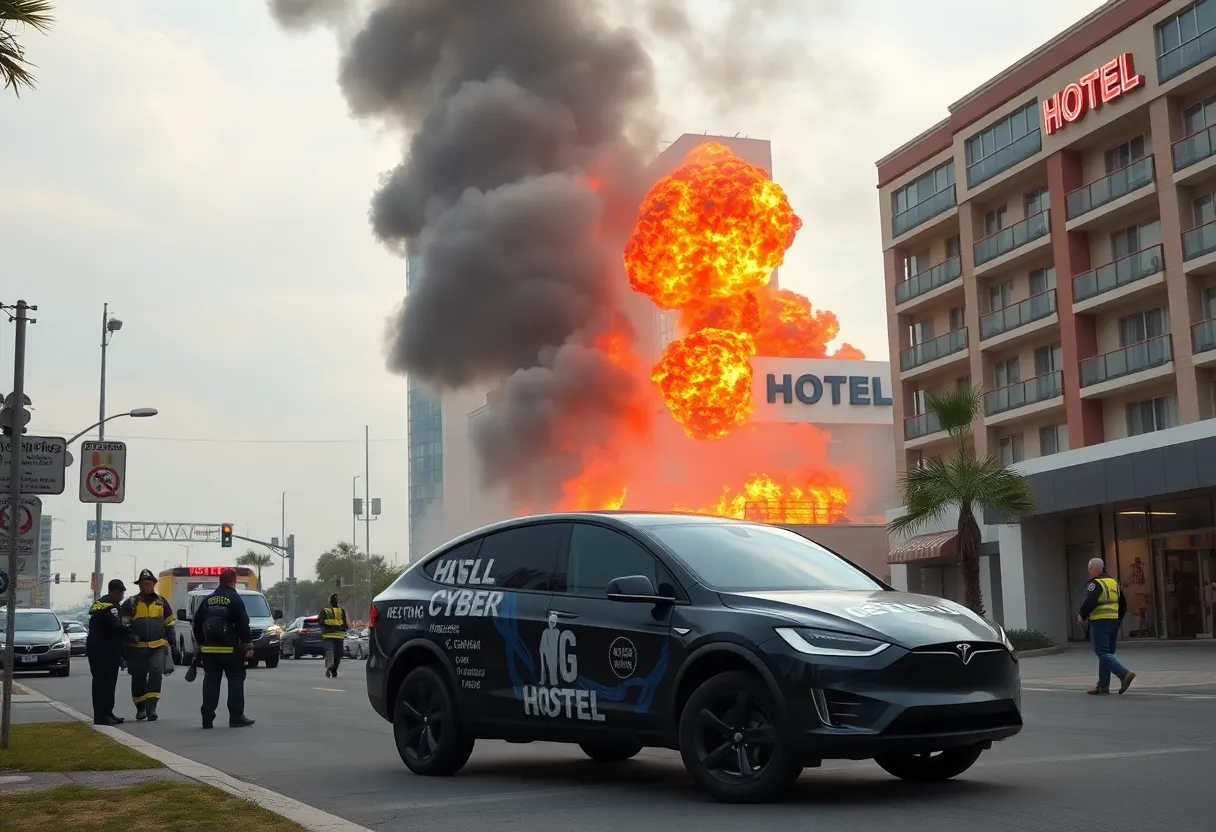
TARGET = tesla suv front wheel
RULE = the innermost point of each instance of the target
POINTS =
(930, 768)
(426, 728)
(733, 743)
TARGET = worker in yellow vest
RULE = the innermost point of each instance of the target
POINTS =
(333, 631)
(148, 660)
(1102, 611)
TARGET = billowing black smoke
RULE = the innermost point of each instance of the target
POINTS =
(515, 192)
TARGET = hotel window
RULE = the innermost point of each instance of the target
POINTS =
(958, 318)
(994, 220)
(1124, 154)
(953, 248)
(1152, 415)
(1204, 209)
(1000, 296)
(1001, 146)
(1209, 302)
(914, 264)
(962, 383)
(1183, 40)
(918, 402)
(1198, 116)
(1042, 280)
(1048, 359)
(920, 332)
(1012, 449)
(1036, 202)
(1134, 238)
(1053, 439)
(1007, 372)
(1141, 326)
(924, 189)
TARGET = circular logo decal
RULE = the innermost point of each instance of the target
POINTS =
(623, 657)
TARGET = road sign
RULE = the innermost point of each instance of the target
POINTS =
(30, 521)
(103, 472)
(154, 532)
(43, 464)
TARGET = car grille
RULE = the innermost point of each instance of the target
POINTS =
(255, 635)
(25, 650)
(939, 667)
(955, 718)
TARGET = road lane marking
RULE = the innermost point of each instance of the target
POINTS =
(332, 690)
(1087, 758)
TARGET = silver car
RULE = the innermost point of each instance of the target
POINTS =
(78, 634)
(355, 644)
(39, 643)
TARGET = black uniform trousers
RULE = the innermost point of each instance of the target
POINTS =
(105, 682)
(217, 667)
(144, 664)
(334, 647)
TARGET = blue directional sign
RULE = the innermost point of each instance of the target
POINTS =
(107, 530)
(3, 582)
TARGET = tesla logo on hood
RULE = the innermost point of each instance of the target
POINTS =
(964, 652)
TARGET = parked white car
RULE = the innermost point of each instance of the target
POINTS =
(355, 644)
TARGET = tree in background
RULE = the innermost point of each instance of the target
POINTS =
(960, 480)
(346, 569)
(14, 14)
(258, 560)
(311, 596)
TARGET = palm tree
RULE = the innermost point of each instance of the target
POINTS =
(960, 480)
(36, 14)
(252, 558)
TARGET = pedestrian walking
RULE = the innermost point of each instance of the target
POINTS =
(221, 629)
(151, 621)
(1102, 611)
(103, 647)
(333, 633)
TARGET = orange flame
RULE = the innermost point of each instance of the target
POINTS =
(706, 381)
(819, 500)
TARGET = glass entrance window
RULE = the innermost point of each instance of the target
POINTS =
(1135, 574)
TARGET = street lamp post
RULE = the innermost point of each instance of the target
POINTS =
(354, 518)
(186, 546)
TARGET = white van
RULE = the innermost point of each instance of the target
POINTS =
(262, 626)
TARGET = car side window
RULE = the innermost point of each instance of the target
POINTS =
(523, 557)
(598, 555)
(461, 552)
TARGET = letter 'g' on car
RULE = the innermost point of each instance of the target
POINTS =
(753, 651)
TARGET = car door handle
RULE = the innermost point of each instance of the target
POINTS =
(562, 614)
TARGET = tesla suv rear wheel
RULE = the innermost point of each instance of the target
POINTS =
(930, 768)
(733, 743)
(610, 752)
(426, 727)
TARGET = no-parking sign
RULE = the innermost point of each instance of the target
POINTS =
(103, 472)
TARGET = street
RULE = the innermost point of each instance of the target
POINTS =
(1142, 761)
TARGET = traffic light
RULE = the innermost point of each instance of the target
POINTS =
(56, 577)
(226, 536)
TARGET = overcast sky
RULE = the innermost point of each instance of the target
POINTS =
(194, 167)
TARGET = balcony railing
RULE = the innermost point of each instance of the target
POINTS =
(1192, 149)
(1034, 308)
(1116, 184)
(1135, 266)
(1038, 389)
(1181, 58)
(940, 202)
(1005, 158)
(921, 425)
(1199, 241)
(1014, 237)
(933, 349)
(928, 280)
(1203, 336)
(1123, 362)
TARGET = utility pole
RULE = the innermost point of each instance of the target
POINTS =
(108, 328)
(14, 517)
(367, 506)
(282, 531)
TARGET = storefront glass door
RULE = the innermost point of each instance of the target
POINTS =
(1185, 615)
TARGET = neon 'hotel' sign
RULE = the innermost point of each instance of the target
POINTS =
(1102, 86)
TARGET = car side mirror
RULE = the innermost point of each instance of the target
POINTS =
(182, 614)
(278, 614)
(635, 589)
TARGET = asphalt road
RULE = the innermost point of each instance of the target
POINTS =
(1140, 761)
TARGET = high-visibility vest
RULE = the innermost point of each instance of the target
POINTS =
(1108, 600)
(331, 623)
(150, 621)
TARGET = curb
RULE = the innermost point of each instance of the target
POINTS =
(1042, 651)
(309, 817)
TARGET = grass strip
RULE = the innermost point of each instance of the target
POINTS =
(67, 746)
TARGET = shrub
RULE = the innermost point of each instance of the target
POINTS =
(1029, 639)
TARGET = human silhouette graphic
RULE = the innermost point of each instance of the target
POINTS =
(549, 654)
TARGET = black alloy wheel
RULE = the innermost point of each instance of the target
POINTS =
(732, 740)
(426, 727)
(931, 767)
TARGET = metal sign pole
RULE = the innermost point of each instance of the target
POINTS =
(14, 526)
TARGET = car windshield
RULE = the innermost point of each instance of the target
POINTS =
(37, 622)
(737, 557)
(256, 606)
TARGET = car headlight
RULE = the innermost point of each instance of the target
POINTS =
(814, 642)
(274, 630)
(62, 645)
(1004, 637)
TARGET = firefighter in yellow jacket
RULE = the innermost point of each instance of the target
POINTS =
(333, 631)
(151, 621)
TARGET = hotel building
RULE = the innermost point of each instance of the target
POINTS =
(1053, 240)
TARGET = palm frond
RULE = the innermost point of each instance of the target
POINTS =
(14, 68)
(943, 483)
(33, 13)
(955, 407)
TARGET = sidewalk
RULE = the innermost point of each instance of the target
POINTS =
(1159, 666)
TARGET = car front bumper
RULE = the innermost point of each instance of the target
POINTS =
(266, 647)
(54, 659)
(897, 702)
(78, 647)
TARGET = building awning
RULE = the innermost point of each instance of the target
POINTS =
(926, 547)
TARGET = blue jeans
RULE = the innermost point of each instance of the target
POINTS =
(1103, 635)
